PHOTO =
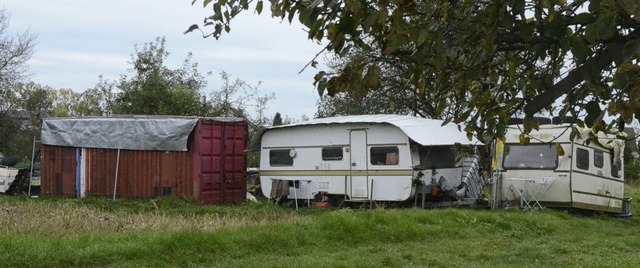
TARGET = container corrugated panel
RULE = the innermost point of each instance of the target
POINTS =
(219, 162)
(141, 174)
(212, 170)
(58, 166)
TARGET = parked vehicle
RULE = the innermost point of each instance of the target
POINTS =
(369, 158)
(19, 181)
(552, 170)
(7, 176)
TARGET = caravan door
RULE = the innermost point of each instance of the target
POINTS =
(358, 180)
(593, 184)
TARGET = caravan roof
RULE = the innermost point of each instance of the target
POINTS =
(421, 130)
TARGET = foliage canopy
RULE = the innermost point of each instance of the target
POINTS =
(155, 89)
(479, 62)
(393, 96)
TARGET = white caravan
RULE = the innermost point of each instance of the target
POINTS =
(368, 158)
(554, 171)
(7, 176)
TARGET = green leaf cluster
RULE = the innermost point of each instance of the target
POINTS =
(480, 62)
(157, 90)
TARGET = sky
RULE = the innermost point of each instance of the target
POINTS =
(77, 41)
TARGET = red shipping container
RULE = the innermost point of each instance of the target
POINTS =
(145, 157)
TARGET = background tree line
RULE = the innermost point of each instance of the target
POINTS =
(149, 87)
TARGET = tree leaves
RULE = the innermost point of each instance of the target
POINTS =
(559, 149)
(631, 50)
(474, 62)
(602, 29)
(372, 79)
(629, 8)
(593, 113)
(524, 138)
(579, 49)
(157, 90)
(259, 7)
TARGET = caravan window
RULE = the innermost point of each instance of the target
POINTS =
(384, 155)
(280, 158)
(437, 157)
(530, 156)
(598, 159)
(332, 153)
(582, 158)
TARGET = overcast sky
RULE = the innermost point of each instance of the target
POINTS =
(79, 40)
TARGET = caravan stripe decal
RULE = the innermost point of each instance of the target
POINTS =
(599, 176)
(613, 209)
(598, 195)
(392, 172)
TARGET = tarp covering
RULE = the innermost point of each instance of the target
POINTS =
(426, 132)
(128, 133)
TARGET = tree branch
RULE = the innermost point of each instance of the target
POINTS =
(575, 77)
(313, 60)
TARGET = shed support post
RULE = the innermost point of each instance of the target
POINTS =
(33, 155)
(115, 184)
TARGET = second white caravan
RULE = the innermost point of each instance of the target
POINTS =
(553, 170)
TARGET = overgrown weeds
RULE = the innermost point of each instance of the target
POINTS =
(173, 232)
(63, 217)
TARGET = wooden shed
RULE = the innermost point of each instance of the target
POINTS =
(145, 157)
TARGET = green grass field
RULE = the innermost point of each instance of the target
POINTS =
(169, 232)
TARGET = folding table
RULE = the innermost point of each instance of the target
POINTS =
(530, 189)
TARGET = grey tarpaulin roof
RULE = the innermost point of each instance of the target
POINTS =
(130, 133)
(421, 130)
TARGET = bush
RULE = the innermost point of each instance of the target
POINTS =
(632, 171)
(9, 161)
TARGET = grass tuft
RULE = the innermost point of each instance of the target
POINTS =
(173, 232)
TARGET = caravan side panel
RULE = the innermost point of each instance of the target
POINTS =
(7, 176)
(558, 194)
(594, 187)
(359, 179)
(582, 178)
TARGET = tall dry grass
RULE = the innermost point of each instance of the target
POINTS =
(57, 219)
(172, 233)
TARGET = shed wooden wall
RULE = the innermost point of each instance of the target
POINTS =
(141, 174)
(212, 171)
(59, 165)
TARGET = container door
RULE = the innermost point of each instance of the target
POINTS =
(211, 168)
(221, 167)
(234, 187)
(358, 182)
